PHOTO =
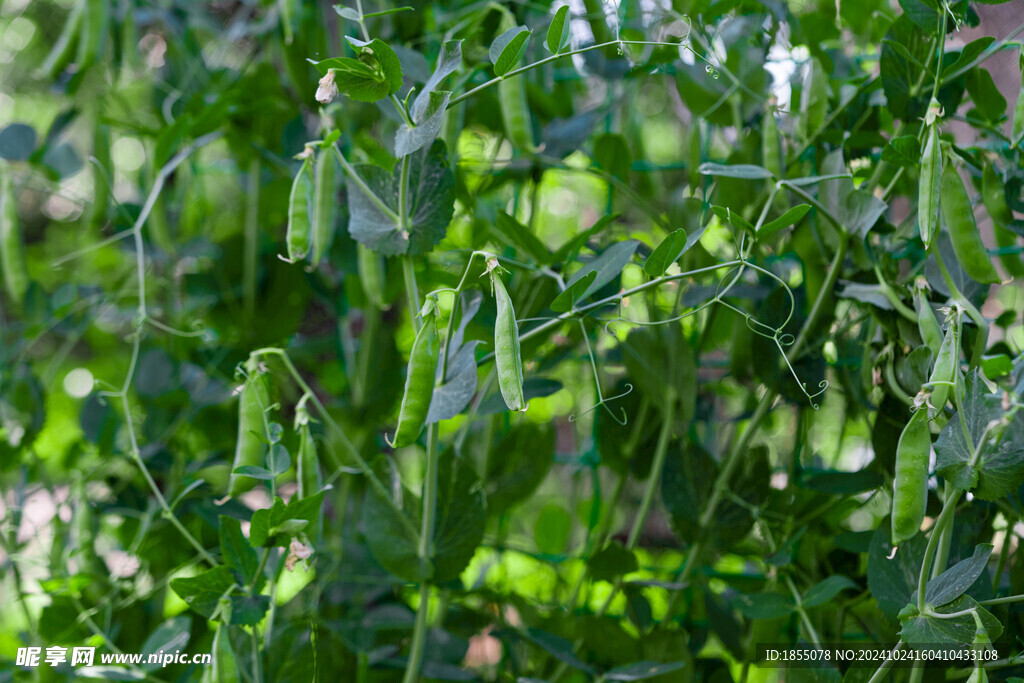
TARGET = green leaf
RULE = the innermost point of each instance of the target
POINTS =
(203, 592)
(924, 13)
(903, 151)
(986, 96)
(255, 472)
(764, 605)
(595, 275)
(733, 218)
(825, 590)
(453, 392)
(893, 582)
(110, 673)
(391, 540)
(996, 366)
(572, 246)
(612, 562)
(375, 74)
(790, 217)
(971, 51)
(659, 360)
(508, 48)
(641, 671)
(248, 610)
(461, 515)
(745, 171)
(528, 453)
(557, 647)
(838, 483)
(236, 552)
(928, 631)
(448, 61)
(670, 250)
(612, 155)
(551, 529)
(520, 237)
(955, 581)
(169, 636)
(277, 525)
(431, 203)
(1000, 467)
(558, 32)
(409, 139)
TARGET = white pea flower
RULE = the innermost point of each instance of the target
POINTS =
(327, 90)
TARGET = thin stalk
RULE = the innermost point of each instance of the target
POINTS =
(942, 554)
(1004, 554)
(885, 666)
(412, 292)
(948, 509)
(250, 257)
(357, 179)
(1001, 601)
(419, 636)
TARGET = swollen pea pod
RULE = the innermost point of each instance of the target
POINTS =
(515, 110)
(958, 215)
(419, 381)
(250, 449)
(308, 466)
(300, 226)
(993, 195)
(371, 274)
(63, 50)
(910, 485)
(927, 324)
(507, 358)
(325, 204)
(12, 256)
(928, 182)
(944, 370)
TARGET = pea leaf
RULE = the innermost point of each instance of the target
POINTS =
(612, 155)
(520, 237)
(447, 62)
(744, 171)
(431, 203)
(764, 605)
(508, 48)
(373, 76)
(277, 525)
(790, 217)
(203, 592)
(1000, 467)
(893, 582)
(557, 647)
(171, 635)
(572, 246)
(391, 539)
(236, 553)
(930, 631)
(955, 581)
(558, 32)
(528, 453)
(825, 590)
(641, 671)
(248, 610)
(731, 217)
(904, 151)
(670, 250)
(612, 562)
(597, 273)
(454, 391)
(409, 139)
(459, 526)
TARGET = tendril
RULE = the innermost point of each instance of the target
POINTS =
(601, 400)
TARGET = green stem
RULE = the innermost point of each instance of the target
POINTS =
(654, 477)
(412, 292)
(419, 636)
(1004, 555)
(1001, 601)
(985, 54)
(250, 257)
(942, 553)
(886, 665)
(364, 188)
(948, 509)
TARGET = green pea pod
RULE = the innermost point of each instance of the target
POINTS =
(928, 186)
(300, 226)
(931, 331)
(771, 143)
(94, 33)
(225, 666)
(515, 112)
(958, 215)
(993, 195)
(66, 45)
(325, 204)
(419, 381)
(371, 274)
(308, 467)
(250, 449)
(910, 485)
(507, 358)
(12, 256)
(944, 369)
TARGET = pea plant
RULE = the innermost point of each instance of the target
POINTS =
(535, 341)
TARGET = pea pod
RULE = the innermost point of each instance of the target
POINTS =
(771, 143)
(419, 381)
(993, 195)
(910, 485)
(325, 204)
(931, 331)
(300, 226)
(944, 369)
(958, 215)
(66, 45)
(12, 257)
(515, 112)
(250, 449)
(371, 274)
(928, 186)
(507, 358)
(308, 466)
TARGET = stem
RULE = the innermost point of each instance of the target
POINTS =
(948, 509)
(357, 179)
(1004, 554)
(985, 54)
(419, 636)
(886, 665)
(812, 633)
(655, 476)
(250, 256)
(1001, 601)
(942, 554)
(412, 292)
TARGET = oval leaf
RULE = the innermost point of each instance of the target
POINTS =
(508, 48)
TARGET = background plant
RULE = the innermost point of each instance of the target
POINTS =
(654, 303)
